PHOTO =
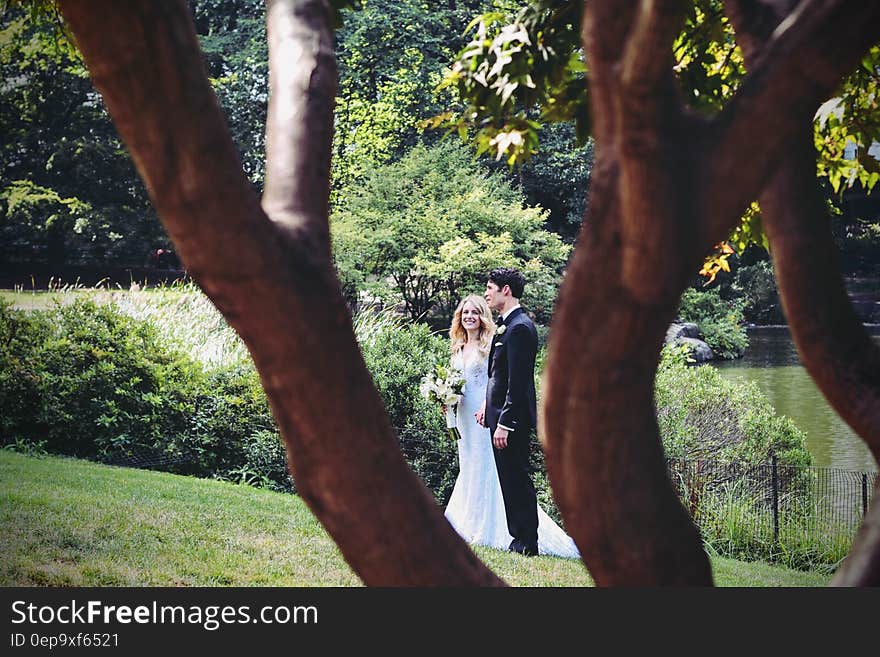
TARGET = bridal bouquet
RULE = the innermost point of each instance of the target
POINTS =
(445, 386)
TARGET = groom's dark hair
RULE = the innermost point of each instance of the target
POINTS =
(508, 276)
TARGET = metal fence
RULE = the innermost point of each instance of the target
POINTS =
(802, 516)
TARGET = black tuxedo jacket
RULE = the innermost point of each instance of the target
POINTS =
(510, 395)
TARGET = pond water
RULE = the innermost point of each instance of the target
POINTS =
(772, 362)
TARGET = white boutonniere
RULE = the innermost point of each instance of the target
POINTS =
(501, 329)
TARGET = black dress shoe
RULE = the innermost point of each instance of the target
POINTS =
(521, 548)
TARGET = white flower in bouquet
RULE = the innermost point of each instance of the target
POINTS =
(445, 386)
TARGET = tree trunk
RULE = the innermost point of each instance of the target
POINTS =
(666, 187)
(272, 278)
(603, 450)
(832, 343)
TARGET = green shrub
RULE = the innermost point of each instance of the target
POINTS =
(21, 335)
(265, 463)
(720, 321)
(702, 415)
(398, 354)
(102, 380)
(725, 434)
(88, 380)
(223, 414)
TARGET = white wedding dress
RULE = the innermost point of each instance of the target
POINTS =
(476, 508)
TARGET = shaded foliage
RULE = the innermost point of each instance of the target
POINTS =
(426, 230)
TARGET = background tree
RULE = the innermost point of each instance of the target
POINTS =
(69, 193)
(427, 229)
(391, 56)
(232, 35)
(557, 178)
(666, 186)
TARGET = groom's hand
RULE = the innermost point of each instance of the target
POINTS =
(500, 438)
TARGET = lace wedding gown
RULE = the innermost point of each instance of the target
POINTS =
(476, 508)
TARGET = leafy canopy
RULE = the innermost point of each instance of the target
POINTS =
(525, 69)
(426, 230)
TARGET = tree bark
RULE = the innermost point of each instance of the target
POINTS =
(603, 450)
(602, 443)
(832, 343)
(272, 278)
(665, 188)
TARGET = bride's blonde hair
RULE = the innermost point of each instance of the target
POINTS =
(457, 333)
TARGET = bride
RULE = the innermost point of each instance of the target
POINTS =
(476, 508)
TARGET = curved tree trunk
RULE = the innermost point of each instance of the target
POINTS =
(603, 449)
(621, 290)
(831, 341)
(271, 276)
(666, 187)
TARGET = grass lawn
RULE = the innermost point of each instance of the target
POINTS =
(68, 522)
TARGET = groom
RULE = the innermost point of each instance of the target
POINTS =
(509, 411)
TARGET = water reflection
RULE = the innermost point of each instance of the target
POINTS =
(772, 362)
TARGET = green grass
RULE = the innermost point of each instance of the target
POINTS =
(68, 522)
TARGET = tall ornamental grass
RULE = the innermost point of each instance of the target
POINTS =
(188, 319)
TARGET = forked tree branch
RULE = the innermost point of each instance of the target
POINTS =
(604, 28)
(831, 340)
(274, 288)
(647, 56)
(754, 22)
(653, 165)
(604, 454)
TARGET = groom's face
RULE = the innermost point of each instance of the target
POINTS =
(494, 296)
